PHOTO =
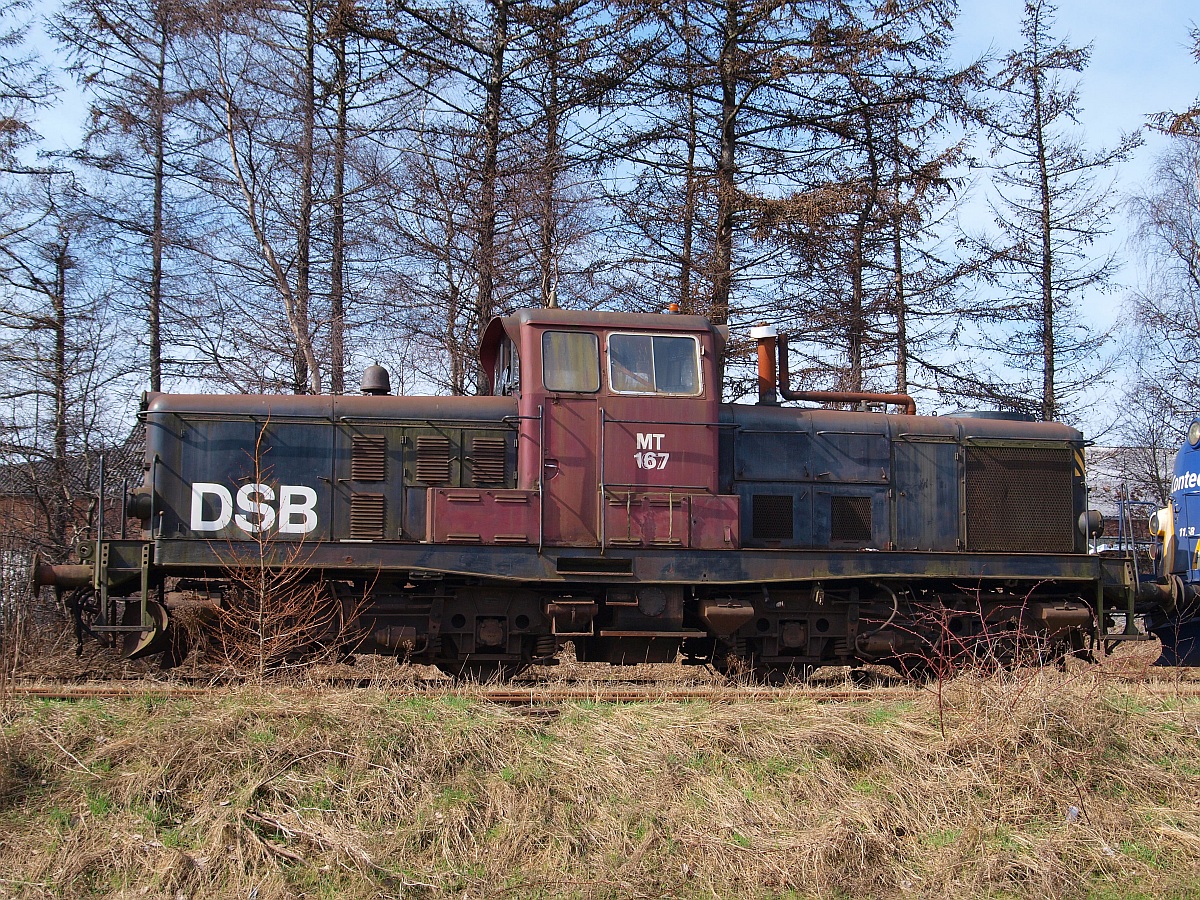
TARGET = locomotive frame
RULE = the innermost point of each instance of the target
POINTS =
(603, 494)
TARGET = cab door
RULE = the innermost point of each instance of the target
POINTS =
(570, 463)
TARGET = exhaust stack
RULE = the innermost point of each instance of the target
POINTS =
(772, 345)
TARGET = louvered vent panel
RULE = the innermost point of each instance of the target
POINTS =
(772, 517)
(488, 457)
(368, 458)
(366, 517)
(1020, 499)
(850, 519)
(433, 459)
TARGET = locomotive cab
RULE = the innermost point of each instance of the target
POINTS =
(618, 424)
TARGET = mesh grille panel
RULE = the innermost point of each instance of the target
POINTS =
(488, 455)
(1020, 499)
(433, 459)
(772, 517)
(366, 517)
(368, 458)
(850, 519)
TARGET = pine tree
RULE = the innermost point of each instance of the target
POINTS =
(1051, 209)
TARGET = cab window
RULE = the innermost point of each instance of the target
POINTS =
(653, 364)
(570, 361)
(506, 379)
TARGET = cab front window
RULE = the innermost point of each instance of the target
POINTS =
(653, 364)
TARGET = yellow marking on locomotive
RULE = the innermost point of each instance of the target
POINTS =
(1078, 463)
(1162, 526)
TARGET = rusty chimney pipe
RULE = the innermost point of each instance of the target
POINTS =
(765, 335)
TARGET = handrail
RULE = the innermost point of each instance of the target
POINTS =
(541, 479)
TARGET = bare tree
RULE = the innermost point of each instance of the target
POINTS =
(881, 275)
(1049, 213)
(717, 118)
(291, 120)
(459, 56)
(760, 158)
(255, 103)
(25, 86)
(124, 54)
(493, 161)
(571, 59)
(61, 367)
(1186, 123)
(1164, 309)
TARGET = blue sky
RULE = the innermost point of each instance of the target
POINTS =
(1141, 64)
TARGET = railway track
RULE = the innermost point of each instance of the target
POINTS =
(503, 695)
(541, 695)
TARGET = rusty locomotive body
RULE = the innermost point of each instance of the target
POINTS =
(604, 495)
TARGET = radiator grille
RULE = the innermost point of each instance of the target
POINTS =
(1020, 499)
(488, 457)
(368, 458)
(433, 459)
(850, 519)
(366, 517)
(772, 517)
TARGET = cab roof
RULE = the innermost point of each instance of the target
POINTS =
(591, 320)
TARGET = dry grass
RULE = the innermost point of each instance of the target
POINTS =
(1042, 785)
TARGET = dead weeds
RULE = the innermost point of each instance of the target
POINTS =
(1042, 784)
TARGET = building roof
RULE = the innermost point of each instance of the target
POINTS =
(23, 477)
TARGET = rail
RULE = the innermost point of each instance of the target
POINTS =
(549, 695)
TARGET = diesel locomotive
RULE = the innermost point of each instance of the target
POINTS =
(1172, 599)
(603, 494)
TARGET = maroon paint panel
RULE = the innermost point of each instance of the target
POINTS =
(465, 516)
(655, 519)
(715, 522)
(654, 454)
(640, 520)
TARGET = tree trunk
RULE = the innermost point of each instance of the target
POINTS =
(301, 383)
(157, 237)
(61, 490)
(1049, 406)
(485, 304)
(337, 307)
(901, 302)
(687, 302)
(899, 297)
(857, 334)
(550, 171)
(726, 170)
